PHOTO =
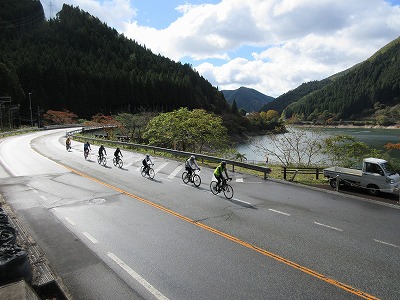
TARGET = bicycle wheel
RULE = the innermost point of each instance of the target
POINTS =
(85, 154)
(228, 191)
(196, 180)
(213, 187)
(185, 177)
(151, 173)
(104, 161)
(142, 171)
(120, 163)
(99, 160)
(115, 161)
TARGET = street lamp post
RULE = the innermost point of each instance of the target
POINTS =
(30, 108)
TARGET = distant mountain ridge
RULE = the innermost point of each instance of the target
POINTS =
(365, 90)
(246, 98)
(360, 92)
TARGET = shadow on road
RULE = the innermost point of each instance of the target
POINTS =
(360, 192)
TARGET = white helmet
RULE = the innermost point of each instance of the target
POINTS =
(192, 157)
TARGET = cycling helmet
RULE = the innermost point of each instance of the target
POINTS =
(147, 155)
(223, 163)
(192, 157)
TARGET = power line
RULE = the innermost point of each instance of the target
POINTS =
(33, 18)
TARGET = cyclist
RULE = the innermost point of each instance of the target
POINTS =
(117, 153)
(68, 143)
(218, 173)
(146, 161)
(102, 151)
(191, 165)
(86, 148)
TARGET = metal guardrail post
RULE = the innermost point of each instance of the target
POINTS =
(337, 183)
(294, 175)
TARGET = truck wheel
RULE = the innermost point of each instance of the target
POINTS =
(332, 182)
(373, 190)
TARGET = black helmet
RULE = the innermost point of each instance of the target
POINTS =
(147, 155)
(223, 163)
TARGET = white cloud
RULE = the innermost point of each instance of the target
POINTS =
(300, 40)
(303, 39)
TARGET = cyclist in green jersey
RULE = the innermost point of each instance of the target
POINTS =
(218, 173)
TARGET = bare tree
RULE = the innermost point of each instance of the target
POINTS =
(295, 147)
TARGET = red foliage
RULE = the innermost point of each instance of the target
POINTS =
(60, 117)
(392, 146)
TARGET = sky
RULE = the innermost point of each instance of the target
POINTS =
(272, 46)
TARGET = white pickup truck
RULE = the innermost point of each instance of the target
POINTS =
(376, 176)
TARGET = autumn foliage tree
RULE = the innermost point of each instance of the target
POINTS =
(60, 117)
(109, 123)
(392, 146)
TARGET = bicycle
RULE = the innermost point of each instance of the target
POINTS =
(118, 163)
(149, 172)
(102, 160)
(224, 187)
(87, 154)
(195, 177)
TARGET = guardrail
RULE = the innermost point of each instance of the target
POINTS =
(233, 163)
(301, 170)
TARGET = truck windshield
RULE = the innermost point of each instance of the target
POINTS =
(388, 169)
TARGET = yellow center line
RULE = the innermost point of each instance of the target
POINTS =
(292, 264)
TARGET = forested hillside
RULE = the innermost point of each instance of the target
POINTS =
(280, 103)
(76, 62)
(370, 86)
(248, 99)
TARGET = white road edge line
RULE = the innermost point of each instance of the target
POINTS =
(279, 212)
(388, 244)
(90, 238)
(69, 221)
(241, 201)
(137, 277)
(327, 226)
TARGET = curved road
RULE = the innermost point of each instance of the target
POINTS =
(110, 233)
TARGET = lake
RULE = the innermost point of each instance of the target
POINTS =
(375, 138)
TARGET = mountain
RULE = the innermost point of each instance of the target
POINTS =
(281, 102)
(248, 99)
(78, 63)
(284, 100)
(368, 88)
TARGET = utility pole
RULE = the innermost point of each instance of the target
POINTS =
(30, 108)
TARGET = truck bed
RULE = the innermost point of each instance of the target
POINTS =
(339, 170)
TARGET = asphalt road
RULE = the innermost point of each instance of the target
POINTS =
(112, 234)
